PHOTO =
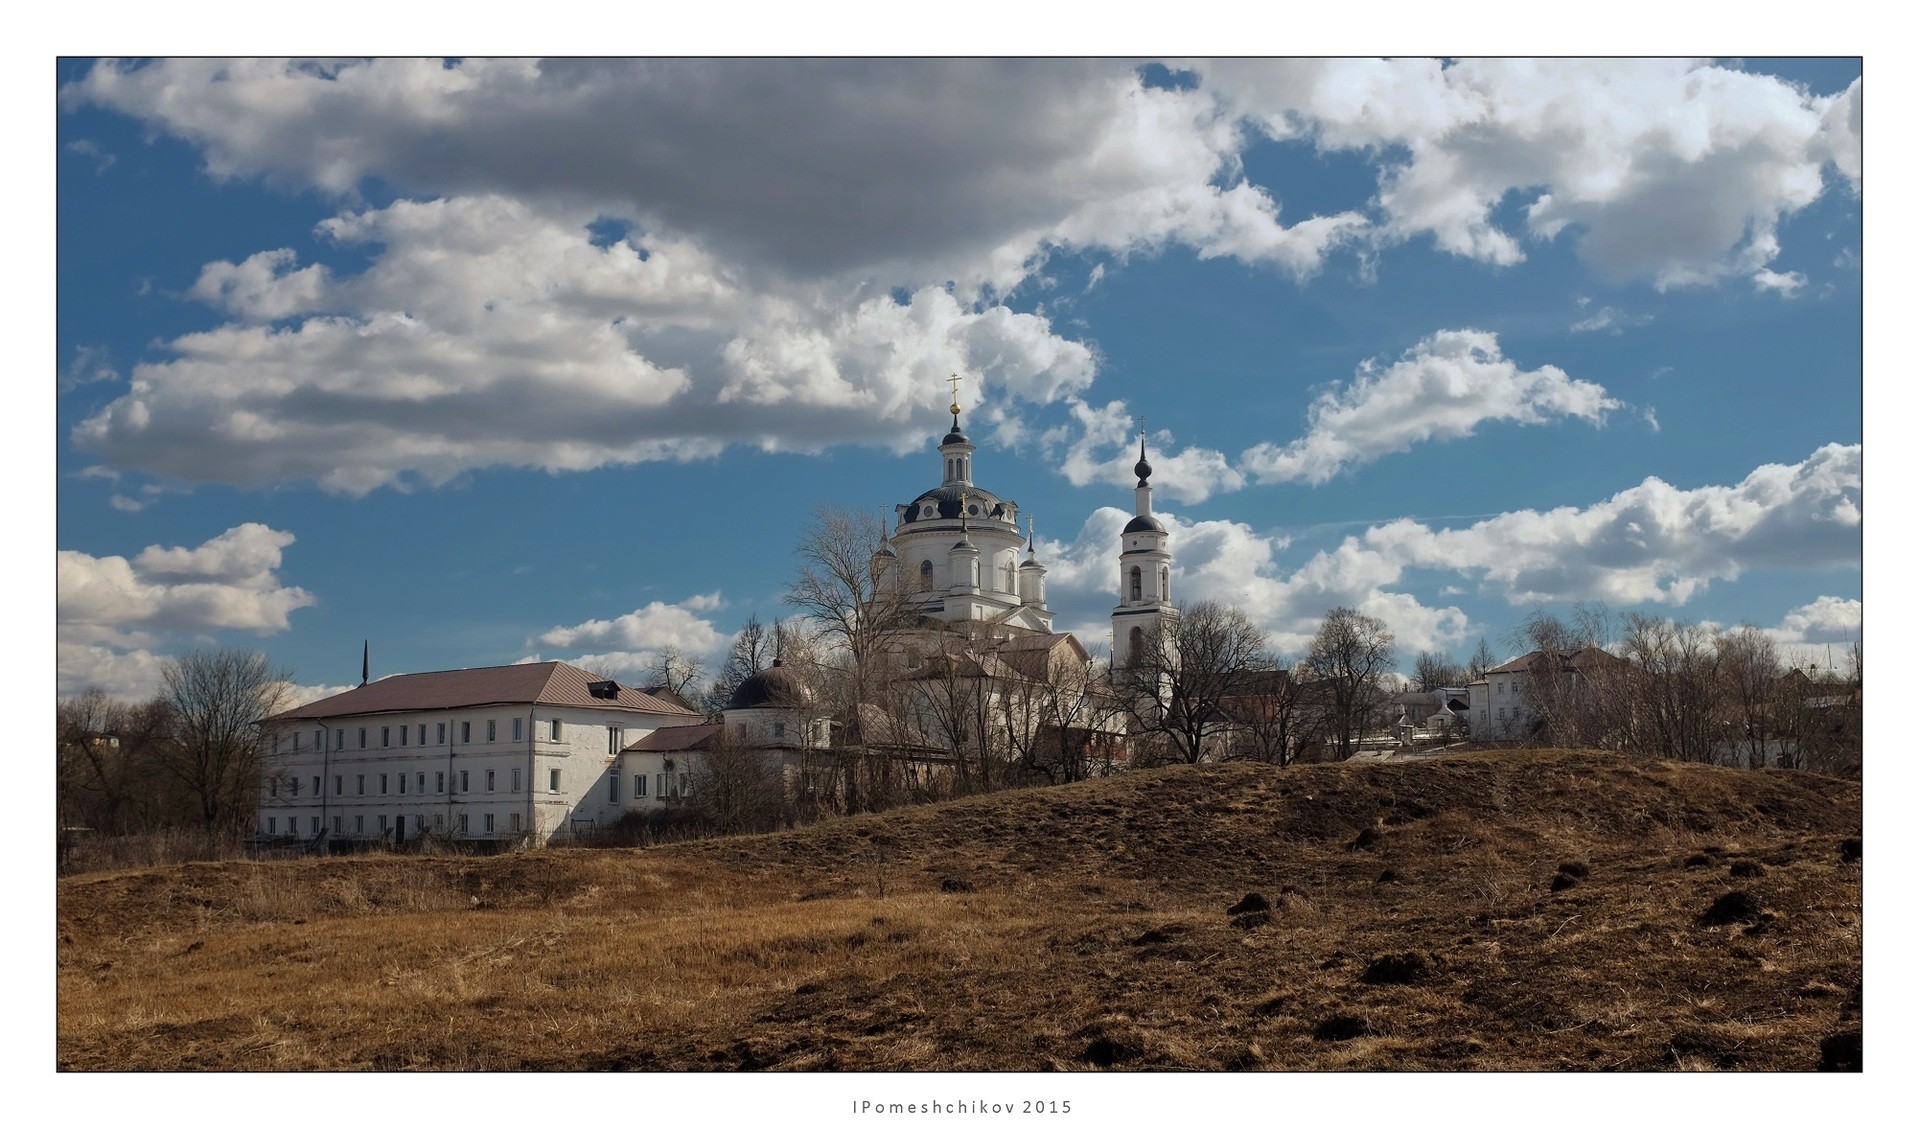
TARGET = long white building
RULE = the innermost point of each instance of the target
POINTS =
(485, 753)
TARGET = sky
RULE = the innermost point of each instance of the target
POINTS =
(490, 360)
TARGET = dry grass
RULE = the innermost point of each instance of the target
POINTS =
(1095, 934)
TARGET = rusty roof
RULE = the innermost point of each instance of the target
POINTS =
(522, 684)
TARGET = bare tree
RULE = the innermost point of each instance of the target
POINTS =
(1749, 673)
(1435, 670)
(752, 651)
(1482, 661)
(738, 790)
(216, 700)
(1178, 689)
(676, 673)
(1265, 710)
(1672, 689)
(1349, 655)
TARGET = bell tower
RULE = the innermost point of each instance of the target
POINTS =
(1145, 606)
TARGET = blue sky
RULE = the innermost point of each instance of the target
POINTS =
(489, 360)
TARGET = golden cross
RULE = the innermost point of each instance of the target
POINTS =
(954, 380)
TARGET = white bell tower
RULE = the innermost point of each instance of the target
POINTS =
(1145, 575)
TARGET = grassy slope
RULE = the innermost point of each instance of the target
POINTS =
(1081, 926)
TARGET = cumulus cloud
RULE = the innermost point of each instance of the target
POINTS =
(808, 246)
(1828, 619)
(628, 645)
(1773, 282)
(1650, 544)
(115, 612)
(1670, 170)
(1443, 388)
(1653, 543)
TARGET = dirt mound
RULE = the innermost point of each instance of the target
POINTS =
(1249, 903)
(1736, 908)
(1398, 968)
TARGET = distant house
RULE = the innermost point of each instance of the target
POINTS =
(1500, 706)
(488, 753)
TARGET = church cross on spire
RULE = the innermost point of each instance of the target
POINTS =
(954, 380)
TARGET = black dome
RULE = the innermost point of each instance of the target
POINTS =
(947, 498)
(776, 686)
(1144, 525)
(955, 435)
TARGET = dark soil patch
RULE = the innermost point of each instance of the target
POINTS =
(1387, 875)
(955, 886)
(1736, 908)
(1398, 968)
(1249, 903)
(1694, 862)
(1339, 1028)
(1746, 868)
(1563, 882)
(1851, 850)
(1252, 920)
(1842, 1051)
(1366, 838)
(1575, 870)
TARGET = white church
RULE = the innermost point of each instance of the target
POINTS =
(536, 752)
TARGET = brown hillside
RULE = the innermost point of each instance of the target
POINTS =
(1495, 911)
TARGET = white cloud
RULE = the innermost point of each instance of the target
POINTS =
(631, 643)
(90, 364)
(112, 610)
(1828, 619)
(1611, 319)
(1666, 169)
(1653, 543)
(1443, 388)
(1772, 282)
(810, 245)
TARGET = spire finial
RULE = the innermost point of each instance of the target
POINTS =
(366, 652)
(1142, 468)
(1029, 537)
(954, 380)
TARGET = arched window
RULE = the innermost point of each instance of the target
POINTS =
(1165, 585)
(926, 574)
(1136, 646)
(1134, 587)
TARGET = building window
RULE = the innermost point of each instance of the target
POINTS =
(556, 729)
(516, 727)
(384, 826)
(419, 822)
(339, 785)
(553, 780)
(273, 826)
(686, 784)
(516, 780)
(359, 825)
(316, 824)
(489, 822)
(403, 784)
(339, 738)
(273, 786)
(466, 733)
(386, 736)
(402, 736)
(316, 785)
(489, 780)
(490, 738)
(926, 574)
(515, 817)
(613, 788)
(1165, 585)
(360, 780)
(363, 736)
(421, 781)
(296, 740)
(337, 821)
(423, 733)
(276, 744)
(439, 820)
(1134, 586)
(463, 784)
(462, 823)
(439, 782)
(659, 785)
(779, 731)
(383, 784)
(439, 733)
(639, 785)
